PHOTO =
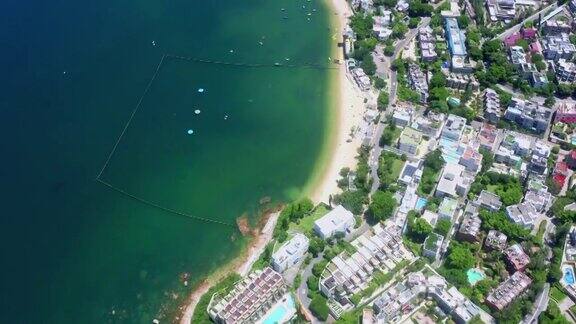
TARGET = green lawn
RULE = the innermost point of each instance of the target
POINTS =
(492, 188)
(307, 223)
(397, 168)
(557, 294)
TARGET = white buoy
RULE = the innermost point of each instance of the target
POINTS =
(225, 117)
(200, 90)
(64, 72)
(231, 51)
(190, 132)
(197, 111)
(155, 321)
(153, 43)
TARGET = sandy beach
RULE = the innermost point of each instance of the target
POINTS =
(348, 101)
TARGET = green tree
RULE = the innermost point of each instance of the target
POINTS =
(383, 100)
(368, 64)
(379, 83)
(382, 205)
(319, 307)
(443, 226)
(460, 256)
(420, 230)
(312, 283)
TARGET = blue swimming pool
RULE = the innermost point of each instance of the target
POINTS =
(568, 275)
(474, 275)
(421, 203)
(278, 314)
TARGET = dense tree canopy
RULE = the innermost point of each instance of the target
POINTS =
(382, 205)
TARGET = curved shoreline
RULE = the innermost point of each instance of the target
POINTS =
(345, 108)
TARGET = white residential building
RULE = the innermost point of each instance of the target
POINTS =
(290, 253)
(338, 220)
(454, 182)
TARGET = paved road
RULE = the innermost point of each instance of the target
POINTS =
(384, 68)
(517, 27)
(302, 291)
(539, 307)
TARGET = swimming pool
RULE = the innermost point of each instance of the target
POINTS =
(281, 312)
(421, 203)
(474, 275)
(568, 277)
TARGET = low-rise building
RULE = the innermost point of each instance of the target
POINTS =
(565, 112)
(361, 79)
(516, 258)
(565, 71)
(411, 172)
(556, 26)
(430, 217)
(432, 245)
(555, 47)
(290, 253)
(461, 81)
(418, 82)
(523, 214)
(381, 28)
(489, 200)
(469, 228)
(427, 44)
(454, 181)
(508, 291)
(487, 137)
(338, 220)
(377, 250)
(492, 111)
(471, 159)
(249, 299)
(409, 140)
(453, 127)
(430, 125)
(528, 115)
(447, 208)
(402, 117)
(495, 241)
(504, 10)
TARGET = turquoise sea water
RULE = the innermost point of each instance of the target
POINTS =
(75, 251)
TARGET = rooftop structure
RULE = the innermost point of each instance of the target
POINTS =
(455, 37)
(432, 245)
(338, 220)
(495, 240)
(501, 10)
(454, 11)
(427, 44)
(381, 26)
(447, 208)
(290, 253)
(411, 172)
(418, 82)
(555, 47)
(409, 140)
(489, 200)
(492, 111)
(565, 71)
(429, 125)
(454, 182)
(509, 290)
(250, 298)
(430, 217)
(487, 137)
(361, 79)
(528, 114)
(517, 55)
(471, 159)
(516, 258)
(523, 214)
(461, 81)
(453, 127)
(556, 26)
(402, 117)
(469, 229)
(565, 112)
